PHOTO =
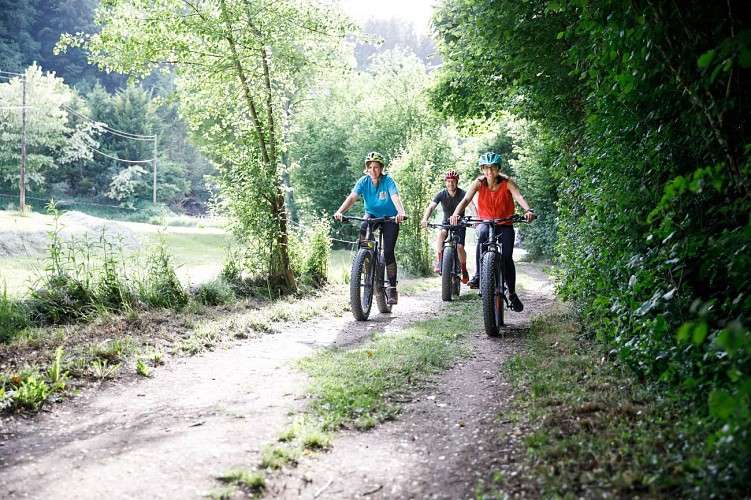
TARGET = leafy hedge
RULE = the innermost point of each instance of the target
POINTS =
(648, 107)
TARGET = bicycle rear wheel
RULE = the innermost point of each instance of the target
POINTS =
(361, 285)
(456, 280)
(382, 298)
(492, 297)
(447, 273)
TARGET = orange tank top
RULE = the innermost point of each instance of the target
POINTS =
(495, 204)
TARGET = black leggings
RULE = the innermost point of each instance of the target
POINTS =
(390, 231)
(507, 236)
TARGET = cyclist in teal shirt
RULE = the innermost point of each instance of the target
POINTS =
(381, 197)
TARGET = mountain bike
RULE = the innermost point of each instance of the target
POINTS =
(493, 289)
(451, 271)
(367, 277)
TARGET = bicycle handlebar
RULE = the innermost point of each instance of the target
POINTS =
(513, 218)
(372, 220)
(463, 222)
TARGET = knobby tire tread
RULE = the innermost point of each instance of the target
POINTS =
(490, 290)
(447, 273)
(360, 297)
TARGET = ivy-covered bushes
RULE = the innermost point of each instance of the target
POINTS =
(647, 106)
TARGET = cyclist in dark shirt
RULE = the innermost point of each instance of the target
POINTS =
(449, 198)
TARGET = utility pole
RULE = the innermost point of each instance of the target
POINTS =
(155, 137)
(22, 184)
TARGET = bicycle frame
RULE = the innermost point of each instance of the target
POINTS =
(493, 287)
(451, 273)
(367, 276)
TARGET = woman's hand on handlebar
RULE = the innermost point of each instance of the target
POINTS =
(339, 216)
(399, 218)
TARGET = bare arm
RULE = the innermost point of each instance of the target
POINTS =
(466, 201)
(348, 201)
(399, 207)
(428, 212)
(472, 208)
(517, 194)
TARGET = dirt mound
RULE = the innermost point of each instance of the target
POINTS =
(72, 225)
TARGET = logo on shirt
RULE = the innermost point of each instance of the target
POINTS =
(382, 195)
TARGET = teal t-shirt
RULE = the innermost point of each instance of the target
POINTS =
(377, 198)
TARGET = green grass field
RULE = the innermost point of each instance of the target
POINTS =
(199, 253)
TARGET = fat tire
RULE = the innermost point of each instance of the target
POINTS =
(492, 299)
(382, 299)
(447, 273)
(456, 281)
(360, 292)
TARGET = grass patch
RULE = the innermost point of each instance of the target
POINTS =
(361, 387)
(251, 482)
(598, 432)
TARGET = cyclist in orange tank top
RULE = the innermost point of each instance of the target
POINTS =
(496, 193)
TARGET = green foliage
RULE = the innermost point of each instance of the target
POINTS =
(646, 107)
(277, 457)
(13, 317)
(418, 170)
(142, 369)
(79, 277)
(30, 388)
(160, 286)
(236, 92)
(350, 114)
(31, 392)
(254, 481)
(311, 251)
(53, 136)
(600, 431)
(55, 373)
(102, 369)
(216, 292)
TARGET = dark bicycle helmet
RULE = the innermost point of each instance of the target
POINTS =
(451, 174)
(375, 156)
(489, 158)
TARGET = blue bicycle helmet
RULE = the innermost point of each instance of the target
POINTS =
(489, 158)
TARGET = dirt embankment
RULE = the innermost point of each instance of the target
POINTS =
(34, 239)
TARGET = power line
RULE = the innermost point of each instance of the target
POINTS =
(126, 135)
(121, 159)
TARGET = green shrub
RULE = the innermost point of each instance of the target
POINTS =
(214, 293)
(160, 286)
(311, 250)
(13, 317)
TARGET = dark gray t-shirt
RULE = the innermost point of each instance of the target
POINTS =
(449, 204)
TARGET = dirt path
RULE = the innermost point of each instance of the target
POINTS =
(169, 435)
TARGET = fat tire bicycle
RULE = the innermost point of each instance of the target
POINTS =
(493, 289)
(451, 271)
(367, 277)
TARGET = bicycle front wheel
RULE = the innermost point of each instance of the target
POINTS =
(447, 273)
(361, 285)
(492, 293)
